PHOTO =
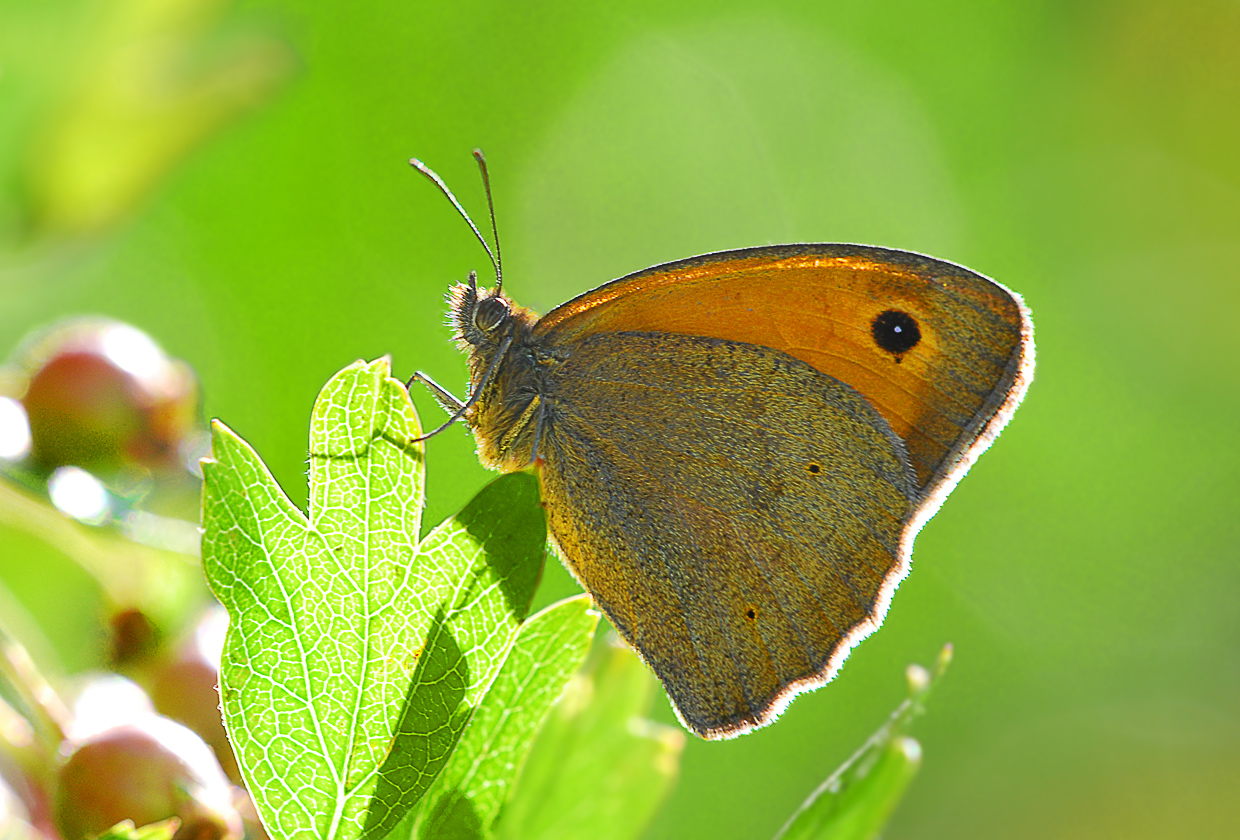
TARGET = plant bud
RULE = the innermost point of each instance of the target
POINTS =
(145, 770)
(101, 395)
(185, 687)
(132, 639)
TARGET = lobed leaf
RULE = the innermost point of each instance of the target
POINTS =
(355, 656)
(599, 768)
(468, 795)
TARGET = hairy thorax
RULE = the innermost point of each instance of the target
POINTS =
(505, 416)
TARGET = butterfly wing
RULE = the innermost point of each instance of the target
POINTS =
(947, 396)
(737, 514)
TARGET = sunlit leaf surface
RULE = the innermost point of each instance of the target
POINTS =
(356, 656)
(599, 767)
(468, 795)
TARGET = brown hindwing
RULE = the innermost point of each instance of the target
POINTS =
(738, 515)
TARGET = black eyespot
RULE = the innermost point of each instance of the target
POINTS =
(490, 313)
(814, 468)
(896, 332)
(751, 613)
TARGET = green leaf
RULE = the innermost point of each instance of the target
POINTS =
(598, 768)
(855, 801)
(125, 830)
(467, 796)
(355, 656)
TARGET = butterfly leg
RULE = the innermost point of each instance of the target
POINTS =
(447, 401)
(538, 427)
(451, 403)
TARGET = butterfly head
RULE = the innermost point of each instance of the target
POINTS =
(479, 317)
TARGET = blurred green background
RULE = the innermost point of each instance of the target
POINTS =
(240, 190)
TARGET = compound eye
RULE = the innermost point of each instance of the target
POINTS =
(490, 313)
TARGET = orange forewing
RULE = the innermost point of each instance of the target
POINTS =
(818, 303)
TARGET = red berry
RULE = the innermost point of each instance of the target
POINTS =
(101, 395)
(185, 687)
(146, 770)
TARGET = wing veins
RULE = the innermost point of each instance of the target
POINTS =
(878, 540)
(697, 650)
(882, 543)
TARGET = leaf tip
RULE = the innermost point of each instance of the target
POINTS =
(219, 432)
(944, 659)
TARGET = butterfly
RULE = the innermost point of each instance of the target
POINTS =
(736, 450)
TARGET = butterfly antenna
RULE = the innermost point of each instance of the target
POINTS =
(443, 188)
(499, 257)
